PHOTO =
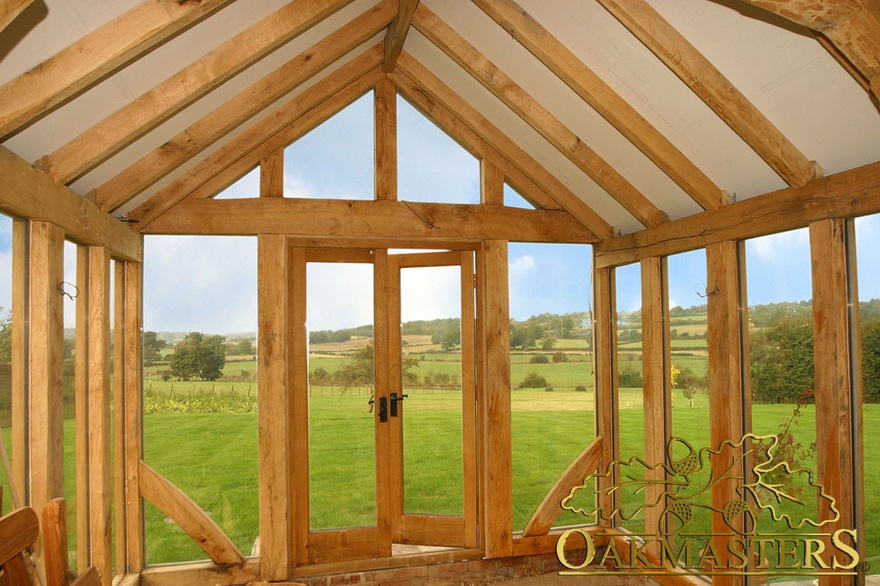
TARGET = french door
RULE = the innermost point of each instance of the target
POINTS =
(383, 435)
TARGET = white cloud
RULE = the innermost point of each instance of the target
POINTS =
(776, 247)
(522, 266)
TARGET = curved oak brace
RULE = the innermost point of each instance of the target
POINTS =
(189, 516)
(549, 510)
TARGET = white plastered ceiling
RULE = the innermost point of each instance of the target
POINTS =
(782, 69)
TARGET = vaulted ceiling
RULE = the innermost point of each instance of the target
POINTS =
(626, 113)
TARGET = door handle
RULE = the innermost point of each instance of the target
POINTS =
(383, 409)
(394, 399)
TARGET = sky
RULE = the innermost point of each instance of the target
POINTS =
(208, 284)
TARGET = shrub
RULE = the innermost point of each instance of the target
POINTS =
(580, 389)
(560, 356)
(539, 359)
(548, 390)
(533, 381)
(630, 377)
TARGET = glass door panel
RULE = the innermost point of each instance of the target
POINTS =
(433, 465)
(342, 454)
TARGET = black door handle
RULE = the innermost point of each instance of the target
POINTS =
(394, 399)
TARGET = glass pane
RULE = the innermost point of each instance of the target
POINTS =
(432, 167)
(342, 453)
(69, 394)
(630, 385)
(335, 160)
(552, 399)
(868, 258)
(688, 334)
(200, 392)
(6, 353)
(433, 460)
(781, 350)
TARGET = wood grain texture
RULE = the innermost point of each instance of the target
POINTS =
(237, 110)
(29, 193)
(87, 61)
(19, 530)
(10, 9)
(590, 87)
(272, 174)
(549, 509)
(605, 349)
(495, 415)
(371, 220)
(81, 408)
(385, 103)
(272, 353)
(18, 391)
(397, 31)
(53, 529)
(845, 194)
(711, 86)
(133, 414)
(145, 113)
(538, 117)
(187, 514)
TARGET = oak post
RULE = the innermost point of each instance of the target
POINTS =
(605, 373)
(727, 362)
(386, 138)
(838, 396)
(274, 484)
(495, 419)
(133, 414)
(656, 372)
(45, 365)
(81, 406)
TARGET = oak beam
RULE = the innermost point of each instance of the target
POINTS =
(608, 103)
(135, 119)
(291, 120)
(378, 220)
(95, 56)
(396, 35)
(236, 111)
(30, 193)
(838, 393)
(273, 355)
(495, 415)
(846, 194)
(698, 73)
(491, 184)
(538, 117)
(464, 122)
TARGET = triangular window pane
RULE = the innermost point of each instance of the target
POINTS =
(247, 186)
(431, 167)
(513, 199)
(335, 160)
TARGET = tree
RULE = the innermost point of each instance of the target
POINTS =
(871, 360)
(152, 348)
(691, 383)
(449, 339)
(548, 342)
(782, 359)
(5, 337)
(245, 347)
(197, 356)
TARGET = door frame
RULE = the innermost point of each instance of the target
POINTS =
(392, 525)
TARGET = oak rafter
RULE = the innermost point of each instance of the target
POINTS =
(538, 117)
(852, 27)
(608, 103)
(186, 144)
(120, 129)
(461, 119)
(81, 65)
(711, 86)
(284, 125)
(396, 35)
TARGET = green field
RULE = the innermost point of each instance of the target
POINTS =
(212, 456)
